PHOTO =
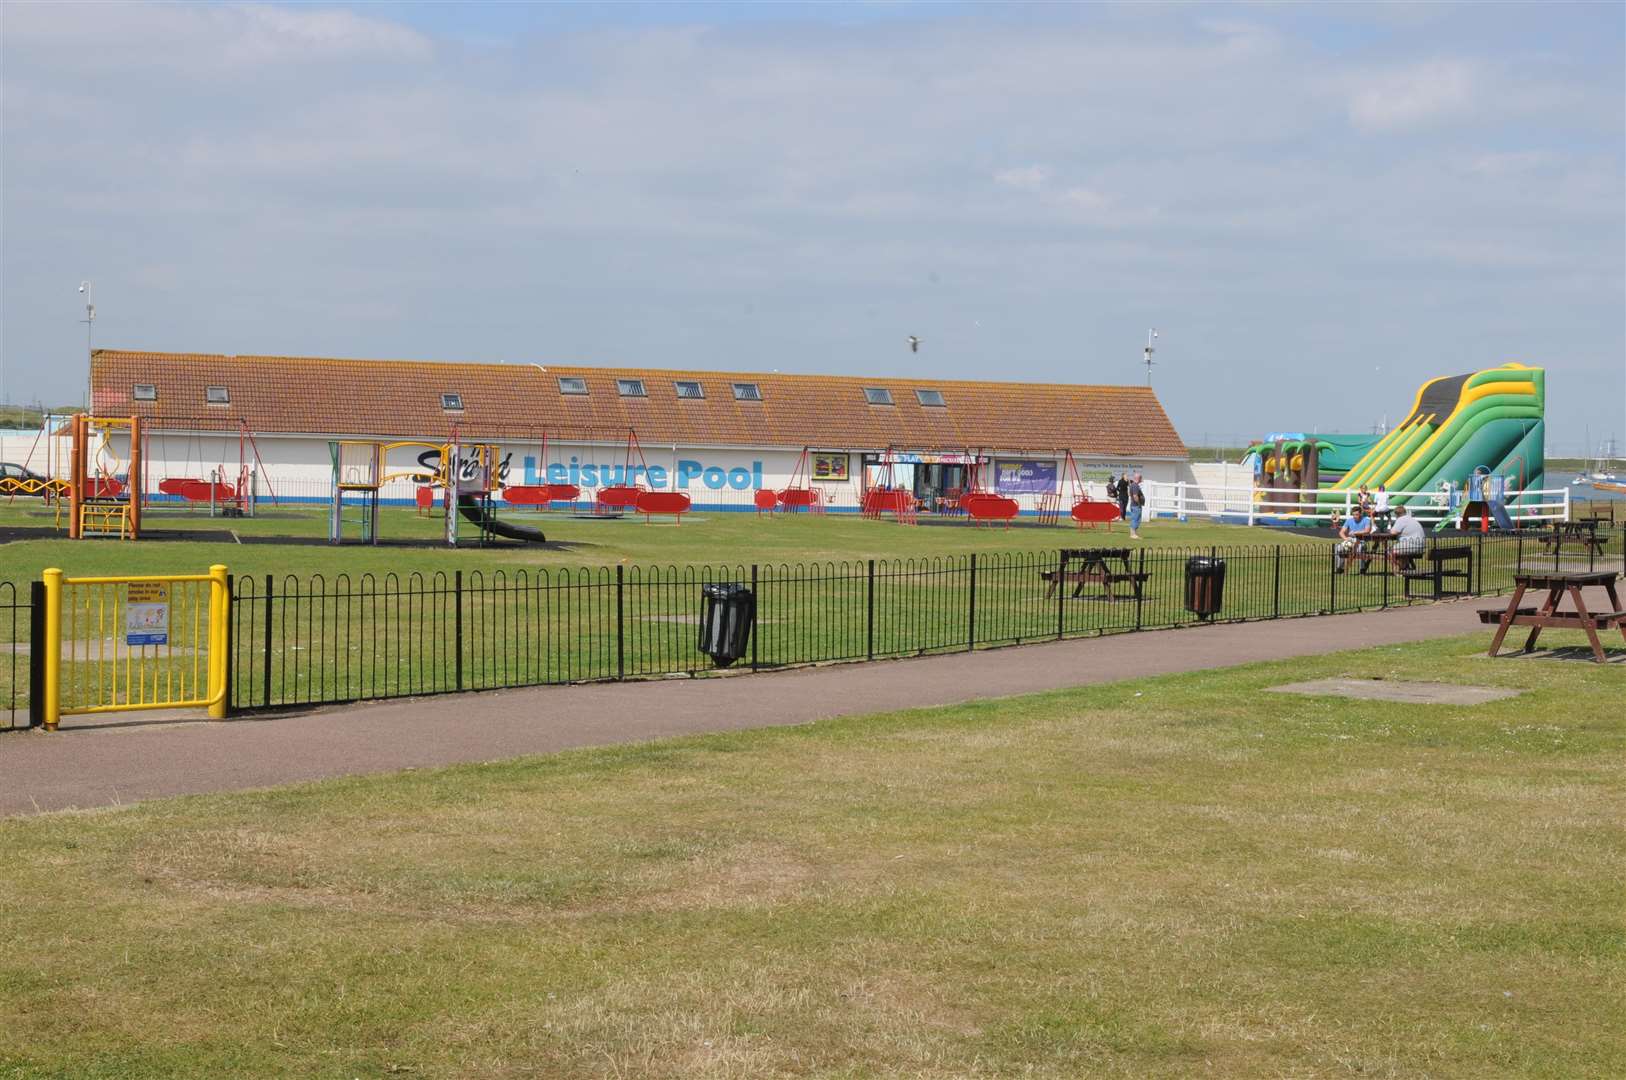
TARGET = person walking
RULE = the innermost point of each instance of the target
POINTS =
(1137, 505)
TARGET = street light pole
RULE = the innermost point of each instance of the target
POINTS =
(1151, 336)
(90, 351)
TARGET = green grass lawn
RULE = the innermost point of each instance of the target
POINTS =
(354, 622)
(1181, 876)
(702, 538)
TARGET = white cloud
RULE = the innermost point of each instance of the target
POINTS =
(268, 34)
(1509, 162)
(291, 179)
(1412, 97)
(170, 39)
(1023, 178)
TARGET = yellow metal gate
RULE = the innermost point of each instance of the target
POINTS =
(114, 644)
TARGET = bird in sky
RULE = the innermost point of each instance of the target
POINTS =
(914, 343)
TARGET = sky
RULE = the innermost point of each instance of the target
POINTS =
(1317, 206)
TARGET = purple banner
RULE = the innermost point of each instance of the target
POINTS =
(1025, 477)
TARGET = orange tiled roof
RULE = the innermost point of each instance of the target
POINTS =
(402, 398)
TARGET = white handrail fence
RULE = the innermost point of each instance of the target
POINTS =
(1181, 499)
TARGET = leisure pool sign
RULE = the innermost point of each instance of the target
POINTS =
(685, 475)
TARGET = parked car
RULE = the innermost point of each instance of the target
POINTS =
(10, 471)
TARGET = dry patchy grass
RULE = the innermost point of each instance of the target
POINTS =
(1179, 876)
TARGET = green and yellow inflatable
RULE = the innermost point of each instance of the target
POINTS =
(1492, 418)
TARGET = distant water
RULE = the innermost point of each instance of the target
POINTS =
(1583, 493)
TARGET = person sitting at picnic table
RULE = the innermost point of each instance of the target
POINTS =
(1349, 537)
(1408, 543)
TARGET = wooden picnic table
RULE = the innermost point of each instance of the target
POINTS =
(1370, 545)
(1559, 583)
(1086, 566)
(1583, 533)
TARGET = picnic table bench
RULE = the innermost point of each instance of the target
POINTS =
(1583, 533)
(1559, 584)
(1095, 566)
(1436, 572)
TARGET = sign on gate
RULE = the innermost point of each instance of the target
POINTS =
(166, 648)
(146, 613)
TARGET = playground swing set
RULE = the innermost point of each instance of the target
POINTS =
(624, 493)
(633, 494)
(104, 494)
(544, 495)
(978, 501)
(798, 494)
(227, 490)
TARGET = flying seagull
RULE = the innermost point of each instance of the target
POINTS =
(914, 343)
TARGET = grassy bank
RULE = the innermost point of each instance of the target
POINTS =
(1179, 876)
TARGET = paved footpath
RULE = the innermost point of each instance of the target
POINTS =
(87, 764)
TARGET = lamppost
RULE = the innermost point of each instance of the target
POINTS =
(1146, 355)
(90, 321)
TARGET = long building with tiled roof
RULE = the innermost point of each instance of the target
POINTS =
(294, 405)
(406, 398)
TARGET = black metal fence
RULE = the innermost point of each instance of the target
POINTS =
(21, 607)
(322, 640)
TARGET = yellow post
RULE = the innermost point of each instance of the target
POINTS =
(219, 614)
(53, 647)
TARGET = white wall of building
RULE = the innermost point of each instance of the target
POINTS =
(299, 468)
(29, 449)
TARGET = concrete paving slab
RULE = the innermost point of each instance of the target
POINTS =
(1416, 693)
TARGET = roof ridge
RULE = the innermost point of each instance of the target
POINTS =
(574, 369)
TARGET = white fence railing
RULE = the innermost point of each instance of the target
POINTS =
(1182, 500)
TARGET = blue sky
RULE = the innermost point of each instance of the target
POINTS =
(1318, 206)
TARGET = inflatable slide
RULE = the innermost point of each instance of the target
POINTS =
(1489, 421)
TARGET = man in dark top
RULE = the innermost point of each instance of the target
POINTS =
(1137, 504)
(1123, 496)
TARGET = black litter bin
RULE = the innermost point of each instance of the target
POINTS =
(1205, 585)
(726, 617)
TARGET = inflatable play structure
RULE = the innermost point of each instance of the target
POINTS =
(1475, 440)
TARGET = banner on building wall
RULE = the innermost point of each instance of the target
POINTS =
(830, 467)
(927, 457)
(1025, 477)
